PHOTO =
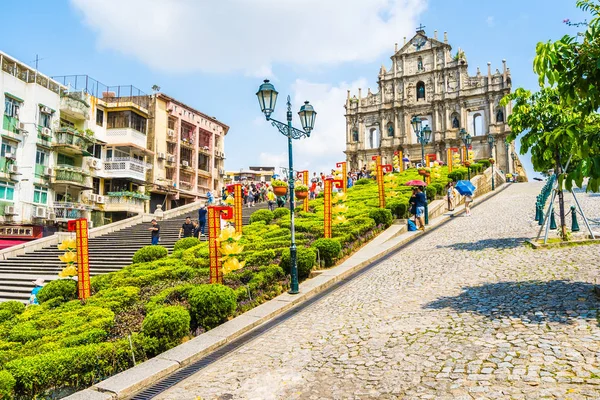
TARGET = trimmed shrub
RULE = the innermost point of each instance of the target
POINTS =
(261, 215)
(149, 253)
(196, 256)
(170, 296)
(211, 305)
(363, 181)
(329, 250)
(8, 310)
(66, 289)
(439, 189)
(382, 216)
(168, 325)
(116, 299)
(259, 258)
(398, 208)
(486, 163)
(305, 259)
(431, 192)
(7, 384)
(186, 243)
(281, 212)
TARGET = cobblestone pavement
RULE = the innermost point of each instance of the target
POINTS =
(467, 312)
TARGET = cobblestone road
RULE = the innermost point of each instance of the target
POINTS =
(465, 313)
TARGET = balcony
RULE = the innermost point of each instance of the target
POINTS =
(126, 167)
(125, 201)
(72, 141)
(71, 176)
(11, 125)
(75, 106)
(205, 150)
(185, 185)
(68, 210)
(188, 142)
(126, 136)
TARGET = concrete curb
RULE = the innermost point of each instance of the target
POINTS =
(127, 383)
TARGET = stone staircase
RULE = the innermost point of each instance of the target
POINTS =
(108, 253)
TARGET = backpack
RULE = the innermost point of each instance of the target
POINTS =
(411, 226)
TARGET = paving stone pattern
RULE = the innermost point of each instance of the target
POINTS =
(467, 312)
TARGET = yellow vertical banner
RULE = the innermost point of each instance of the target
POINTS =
(237, 207)
(426, 161)
(83, 259)
(401, 157)
(327, 208)
(449, 159)
(344, 168)
(215, 213)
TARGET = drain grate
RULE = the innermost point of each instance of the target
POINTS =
(185, 372)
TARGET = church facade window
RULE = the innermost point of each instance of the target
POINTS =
(500, 116)
(420, 91)
(420, 64)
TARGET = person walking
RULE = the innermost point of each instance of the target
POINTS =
(155, 229)
(413, 204)
(450, 196)
(187, 229)
(271, 200)
(468, 202)
(202, 219)
(420, 202)
(39, 284)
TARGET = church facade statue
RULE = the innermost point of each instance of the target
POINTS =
(433, 83)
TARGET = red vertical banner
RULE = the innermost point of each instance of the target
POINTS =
(327, 209)
(344, 166)
(237, 207)
(380, 186)
(304, 176)
(83, 259)
(215, 213)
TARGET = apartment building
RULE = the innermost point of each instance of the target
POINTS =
(188, 152)
(31, 110)
(112, 163)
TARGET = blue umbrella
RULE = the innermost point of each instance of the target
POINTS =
(465, 188)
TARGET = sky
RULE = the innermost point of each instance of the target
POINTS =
(213, 55)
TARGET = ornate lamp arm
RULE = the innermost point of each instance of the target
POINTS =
(287, 131)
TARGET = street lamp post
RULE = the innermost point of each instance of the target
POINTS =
(492, 142)
(423, 136)
(514, 158)
(267, 97)
(467, 140)
(507, 144)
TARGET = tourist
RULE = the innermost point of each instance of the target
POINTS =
(155, 229)
(468, 202)
(281, 201)
(413, 204)
(313, 189)
(450, 196)
(187, 229)
(271, 200)
(202, 219)
(39, 284)
(209, 195)
(420, 203)
(349, 180)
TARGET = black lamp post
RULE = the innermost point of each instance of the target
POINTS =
(514, 158)
(267, 97)
(492, 143)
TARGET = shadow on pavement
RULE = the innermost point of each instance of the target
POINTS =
(531, 301)
(499, 244)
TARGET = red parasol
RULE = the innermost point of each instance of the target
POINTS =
(416, 182)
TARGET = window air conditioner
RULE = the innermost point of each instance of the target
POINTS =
(93, 197)
(185, 163)
(21, 126)
(39, 212)
(161, 156)
(171, 158)
(46, 132)
(51, 216)
(171, 132)
(13, 169)
(100, 199)
(94, 163)
(10, 210)
(10, 156)
(47, 171)
(46, 110)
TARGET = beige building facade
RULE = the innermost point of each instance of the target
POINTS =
(429, 81)
(189, 153)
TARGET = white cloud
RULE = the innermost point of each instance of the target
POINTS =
(249, 36)
(325, 146)
(490, 21)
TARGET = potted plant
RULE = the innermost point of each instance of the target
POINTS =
(421, 171)
(467, 163)
(492, 161)
(301, 192)
(279, 187)
(427, 172)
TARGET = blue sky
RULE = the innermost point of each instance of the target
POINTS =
(214, 56)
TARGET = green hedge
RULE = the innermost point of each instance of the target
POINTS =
(431, 192)
(211, 305)
(149, 253)
(261, 215)
(381, 216)
(9, 310)
(166, 327)
(398, 208)
(65, 289)
(7, 384)
(281, 212)
(305, 260)
(329, 250)
(186, 243)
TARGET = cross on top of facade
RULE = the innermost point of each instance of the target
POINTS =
(421, 28)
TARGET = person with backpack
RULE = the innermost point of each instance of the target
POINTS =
(202, 212)
(420, 203)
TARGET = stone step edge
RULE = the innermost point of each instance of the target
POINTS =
(125, 384)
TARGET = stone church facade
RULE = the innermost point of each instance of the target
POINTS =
(428, 81)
